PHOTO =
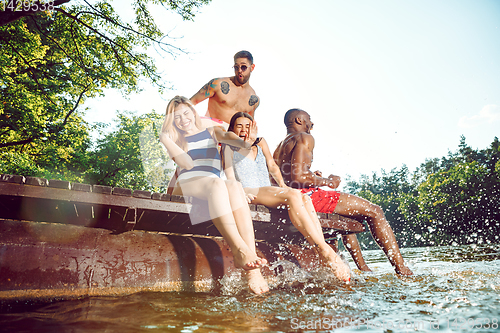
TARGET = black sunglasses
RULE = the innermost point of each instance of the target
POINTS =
(243, 67)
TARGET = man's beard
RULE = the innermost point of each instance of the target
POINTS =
(243, 79)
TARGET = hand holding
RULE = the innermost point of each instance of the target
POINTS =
(285, 186)
(333, 181)
(250, 197)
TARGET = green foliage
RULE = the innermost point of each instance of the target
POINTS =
(60, 155)
(52, 61)
(131, 156)
(455, 199)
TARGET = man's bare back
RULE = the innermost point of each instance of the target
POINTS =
(229, 95)
(288, 159)
(294, 155)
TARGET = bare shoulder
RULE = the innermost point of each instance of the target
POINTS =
(305, 138)
(216, 82)
(220, 85)
(207, 91)
(302, 138)
(263, 144)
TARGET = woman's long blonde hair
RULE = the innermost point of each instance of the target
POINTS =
(169, 127)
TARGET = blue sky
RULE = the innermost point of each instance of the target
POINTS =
(386, 83)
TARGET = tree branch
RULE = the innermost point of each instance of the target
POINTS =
(109, 19)
(76, 105)
(75, 17)
(16, 143)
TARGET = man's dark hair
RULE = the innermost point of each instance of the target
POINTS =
(291, 114)
(244, 54)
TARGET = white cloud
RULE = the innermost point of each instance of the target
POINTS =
(488, 114)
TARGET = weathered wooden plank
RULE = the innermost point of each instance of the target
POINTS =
(81, 187)
(62, 184)
(109, 208)
(12, 179)
(142, 194)
(27, 191)
(36, 181)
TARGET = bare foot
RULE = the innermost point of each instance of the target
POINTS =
(365, 268)
(256, 281)
(248, 262)
(258, 263)
(403, 271)
(332, 260)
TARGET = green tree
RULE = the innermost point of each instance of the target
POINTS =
(388, 190)
(53, 60)
(455, 199)
(131, 156)
(462, 203)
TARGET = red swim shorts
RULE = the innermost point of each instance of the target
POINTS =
(323, 201)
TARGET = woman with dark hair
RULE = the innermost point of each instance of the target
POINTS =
(252, 166)
(194, 148)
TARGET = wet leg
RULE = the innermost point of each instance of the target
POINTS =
(244, 223)
(241, 213)
(352, 245)
(307, 224)
(351, 205)
(216, 192)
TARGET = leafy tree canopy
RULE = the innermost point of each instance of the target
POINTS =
(131, 156)
(54, 59)
(452, 200)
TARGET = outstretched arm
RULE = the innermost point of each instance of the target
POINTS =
(301, 163)
(227, 156)
(272, 167)
(230, 138)
(207, 91)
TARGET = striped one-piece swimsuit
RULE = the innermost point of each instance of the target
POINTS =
(206, 158)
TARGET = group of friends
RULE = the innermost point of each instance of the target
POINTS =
(221, 160)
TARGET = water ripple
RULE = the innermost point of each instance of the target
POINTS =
(452, 287)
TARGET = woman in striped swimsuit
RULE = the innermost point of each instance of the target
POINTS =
(193, 147)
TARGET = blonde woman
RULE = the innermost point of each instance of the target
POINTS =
(193, 147)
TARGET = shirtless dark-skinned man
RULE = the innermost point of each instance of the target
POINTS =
(294, 157)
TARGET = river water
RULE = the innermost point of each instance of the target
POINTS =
(454, 289)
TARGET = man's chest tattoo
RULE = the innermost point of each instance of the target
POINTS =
(253, 100)
(224, 87)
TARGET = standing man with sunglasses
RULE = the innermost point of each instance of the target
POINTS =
(229, 95)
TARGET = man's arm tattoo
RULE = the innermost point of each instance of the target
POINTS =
(253, 100)
(224, 87)
(207, 87)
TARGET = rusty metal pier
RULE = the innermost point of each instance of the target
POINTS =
(62, 239)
